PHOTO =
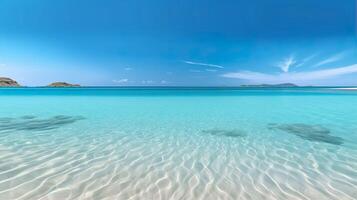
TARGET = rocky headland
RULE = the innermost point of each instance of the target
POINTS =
(8, 82)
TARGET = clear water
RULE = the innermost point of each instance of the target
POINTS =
(175, 143)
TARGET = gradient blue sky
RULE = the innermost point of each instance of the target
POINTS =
(185, 42)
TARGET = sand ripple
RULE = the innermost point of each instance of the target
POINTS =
(185, 164)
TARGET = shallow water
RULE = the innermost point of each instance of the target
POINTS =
(178, 143)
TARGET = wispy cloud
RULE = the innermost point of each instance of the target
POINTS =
(147, 81)
(305, 60)
(124, 80)
(295, 77)
(203, 64)
(211, 70)
(286, 63)
(331, 59)
(128, 68)
(2, 65)
(194, 71)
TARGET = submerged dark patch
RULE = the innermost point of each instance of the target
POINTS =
(225, 133)
(309, 132)
(32, 123)
(28, 117)
(5, 119)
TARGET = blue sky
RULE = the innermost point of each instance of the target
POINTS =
(183, 43)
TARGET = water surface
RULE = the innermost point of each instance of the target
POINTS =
(178, 143)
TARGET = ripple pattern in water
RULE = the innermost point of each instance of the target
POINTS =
(145, 148)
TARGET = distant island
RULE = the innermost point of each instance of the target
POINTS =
(8, 82)
(63, 84)
(272, 85)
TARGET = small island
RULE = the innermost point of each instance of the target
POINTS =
(63, 84)
(8, 82)
(282, 85)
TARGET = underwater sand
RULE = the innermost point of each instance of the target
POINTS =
(112, 143)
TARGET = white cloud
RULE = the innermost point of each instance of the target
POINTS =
(194, 71)
(163, 82)
(295, 77)
(331, 59)
(147, 81)
(211, 70)
(124, 80)
(305, 60)
(203, 64)
(286, 64)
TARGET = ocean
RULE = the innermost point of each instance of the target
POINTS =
(178, 143)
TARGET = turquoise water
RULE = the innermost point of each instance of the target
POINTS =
(178, 143)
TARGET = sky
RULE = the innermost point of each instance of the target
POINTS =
(179, 43)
